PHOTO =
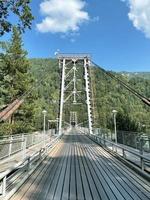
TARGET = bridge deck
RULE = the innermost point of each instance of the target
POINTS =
(80, 169)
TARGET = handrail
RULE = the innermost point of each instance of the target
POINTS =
(24, 140)
(31, 157)
(142, 157)
(22, 134)
(123, 147)
(11, 141)
(25, 163)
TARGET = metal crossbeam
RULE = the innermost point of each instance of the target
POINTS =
(70, 65)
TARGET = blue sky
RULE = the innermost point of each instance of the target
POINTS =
(115, 32)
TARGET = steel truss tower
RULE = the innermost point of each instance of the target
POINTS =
(70, 64)
(73, 118)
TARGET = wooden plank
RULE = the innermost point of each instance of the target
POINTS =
(112, 180)
(129, 178)
(107, 167)
(99, 183)
(49, 176)
(86, 185)
(72, 185)
(98, 191)
(79, 182)
(103, 187)
(105, 181)
(60, 185)
(125, 169)
(57, 176)
(65, 192)
(41, 186)
(121, 179)
(81, 170)
(30, 188)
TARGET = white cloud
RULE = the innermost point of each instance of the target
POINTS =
(140, 15)
(62, 16)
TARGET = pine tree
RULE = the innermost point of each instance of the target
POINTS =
(15, 67)
(22, 12)
(17, 79)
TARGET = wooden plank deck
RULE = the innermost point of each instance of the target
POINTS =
(79, 169)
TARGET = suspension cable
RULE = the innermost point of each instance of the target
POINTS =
(25, 94)
(128, 87)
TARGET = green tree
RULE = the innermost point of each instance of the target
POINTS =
(19, 8)
(16, 81)
(15, 68)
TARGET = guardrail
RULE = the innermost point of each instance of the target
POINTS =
(143, 160)
(8, 148)
(9, 145)
(124, 149)
(23, 169)
(128, 138)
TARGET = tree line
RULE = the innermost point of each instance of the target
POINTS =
(18, 75)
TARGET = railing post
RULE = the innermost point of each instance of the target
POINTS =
(10, 146)
(116, 149)
(110, 136)
(141, 146)
(24, 147)
(112, 147)
(142, 163)
(28, 164)
(103, 138)
(123, 153)
(141, 152)
(40, 154)
(46, 149)
(32, 139)
(3, 187)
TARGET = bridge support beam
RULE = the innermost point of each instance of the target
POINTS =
(72, 66)
(87, 88)
(62, 63)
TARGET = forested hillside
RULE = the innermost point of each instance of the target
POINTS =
(108, 95)
(47, 75)
(37, 81)
(144, 75)
(132, 113)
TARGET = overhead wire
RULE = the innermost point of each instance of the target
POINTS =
(125, 85)
(25, 94)
(37, 84)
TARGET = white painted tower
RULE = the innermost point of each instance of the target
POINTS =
(69, 65)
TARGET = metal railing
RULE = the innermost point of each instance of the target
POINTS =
(23, 170)
(75, 55)
(114, 147)
(10, 145)
(141, 160)
(128, 138)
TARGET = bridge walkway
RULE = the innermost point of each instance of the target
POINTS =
(79, 169)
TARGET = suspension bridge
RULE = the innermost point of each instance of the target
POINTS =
(75, 162)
